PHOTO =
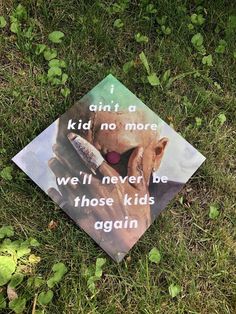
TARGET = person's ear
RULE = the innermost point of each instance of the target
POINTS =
(159, 151)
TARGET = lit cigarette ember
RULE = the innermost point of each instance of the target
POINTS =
(88, 153)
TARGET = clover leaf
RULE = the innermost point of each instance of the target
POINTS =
(45, 297)
(174, 290)
(16, 280)
(222, 118)
(7, 268)
(59, 270)
(6, 231)
(118, 23)
(141, 38)
(154, 255)
(127, 66)
(3, 22)
(54, 71)
(40, 49)
(6, 173)
(18, 305)
(207, 60)
(98, 268)
(56, 37)
(57, 63)
(221, 47)
(197, 40)
(197, 19)
(166, 30)
(49, 54)
(65, 92)
(20, 12)
(214, 212)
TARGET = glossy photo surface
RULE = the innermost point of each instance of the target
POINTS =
(111, 164)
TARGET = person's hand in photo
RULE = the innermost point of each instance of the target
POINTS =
(135, 168)
(129, 199)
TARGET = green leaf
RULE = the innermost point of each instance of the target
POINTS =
(118, 23)
(54, 71)
(207, 60)
(62, 64)
(64, 78)
(23, 250)
(91, 284)
(98, 273)
(45, 297)
(154, 255)
(38, 282)
(166, 76)
(166, 30)
(56, 37)
(197, 19)
(33, 242)
(150, 8)
(3, 22)
(141, 38)
(40, 49)
(7, 268)
(221, 47)
(16, 280)
(9, 246)
(234, 54)
(144, 62)
(55, 80)
(30, 282)
(174, 290)
(18, 305)
(20, 12)
(3, 303)
(190, 26)
(197, 40)
(6, 231)
(29, 33)
(98, 267)
(49, 54)
(59, 270)
(57, 63)
(198, 121)
(213, 212)
(153, 79)
(15, 27)
(127, 66)
(54, 63)
(65, 92)
(6, 173)
(232, 22)
(87, 271)
(161, 20)
(222, 118)
(35, 282)
(118, 7)
(29, 242)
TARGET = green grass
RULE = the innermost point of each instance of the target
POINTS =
(198, 253)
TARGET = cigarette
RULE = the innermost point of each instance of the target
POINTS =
(88, 153)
